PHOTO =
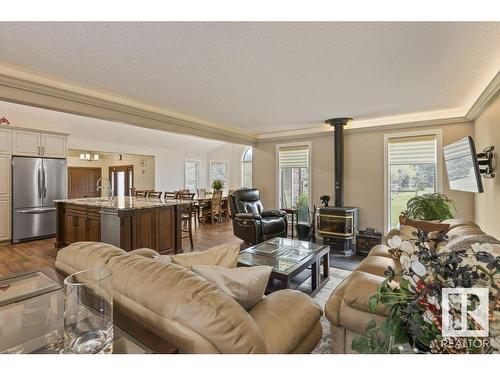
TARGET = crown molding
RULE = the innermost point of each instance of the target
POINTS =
(25, 88)
(485, 99)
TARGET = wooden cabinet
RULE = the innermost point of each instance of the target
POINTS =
(144, 229)
(53, 145)
(5, 168)
(94, 225)
(5, 218)
(156, 228)
(26, 143)
(166, 230)
(81, 224)
(32, 143)
(5, 141)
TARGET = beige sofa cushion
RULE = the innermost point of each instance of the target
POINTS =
(377, 265)
(455, 223)
(222, 255)
(285, 317)
(464, 231)
(85, 255)
(182, 306)
(245, 284)
(355, 291)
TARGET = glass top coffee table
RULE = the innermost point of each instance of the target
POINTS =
(293, 262)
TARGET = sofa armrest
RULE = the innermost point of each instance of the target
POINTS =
(145, 252)
(248, 216)
(270, 213)
(285, 318)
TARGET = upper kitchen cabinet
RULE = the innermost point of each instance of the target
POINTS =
(53, 145)
(35, 143)
(5, 141)
(26, 143)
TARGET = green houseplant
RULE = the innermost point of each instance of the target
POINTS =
(431, 206)
(217, 185)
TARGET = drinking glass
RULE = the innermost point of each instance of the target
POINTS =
(88, 312)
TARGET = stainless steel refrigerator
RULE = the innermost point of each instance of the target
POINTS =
(36, 183)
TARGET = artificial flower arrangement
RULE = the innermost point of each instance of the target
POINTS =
(412, 297)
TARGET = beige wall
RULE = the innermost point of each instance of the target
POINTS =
(144, 177)
(487, 133)
(364, 171)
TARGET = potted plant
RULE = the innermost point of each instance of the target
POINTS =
(431, 206)
(217, 185)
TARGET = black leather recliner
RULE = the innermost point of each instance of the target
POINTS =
(251, 222)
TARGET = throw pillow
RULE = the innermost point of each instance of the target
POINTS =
(426, 226)
(245, 284)
(223, 255)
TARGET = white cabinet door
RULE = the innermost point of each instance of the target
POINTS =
(53, 145)
(25, 143)
(5, 219)
(4, 176)
(5, 137)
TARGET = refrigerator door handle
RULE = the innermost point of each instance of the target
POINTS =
(44, 177)
(39, 179)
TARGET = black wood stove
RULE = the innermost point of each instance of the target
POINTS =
(338, 225)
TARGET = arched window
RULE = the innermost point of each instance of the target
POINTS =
(246, 167)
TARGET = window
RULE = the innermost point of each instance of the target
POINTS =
(412, 169)
(219, 170)
(294, 177)
(191, 174)
(246, 168)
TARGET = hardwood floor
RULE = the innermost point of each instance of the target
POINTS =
(34, 255)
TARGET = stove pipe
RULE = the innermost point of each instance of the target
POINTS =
(338, 124)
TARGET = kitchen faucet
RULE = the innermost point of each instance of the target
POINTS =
(99, 186)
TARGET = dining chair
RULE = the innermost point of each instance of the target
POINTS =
(213, 212)
(187, 216)
(154, 194)
(141, 193)
(169, 195)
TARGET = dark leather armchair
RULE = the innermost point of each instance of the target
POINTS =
(251, 222)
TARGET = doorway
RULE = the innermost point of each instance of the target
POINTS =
(82, 182)
(122, 179)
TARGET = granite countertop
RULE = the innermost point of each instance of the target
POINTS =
(123, 203)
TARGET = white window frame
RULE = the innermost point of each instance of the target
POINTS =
(198, 177)
(228, 181)
(243, 162)
(278, 174)
(438, 133)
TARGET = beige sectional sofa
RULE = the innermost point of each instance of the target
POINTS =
(191, 313)
(347, 308)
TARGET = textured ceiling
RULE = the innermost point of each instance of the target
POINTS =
(266, 77)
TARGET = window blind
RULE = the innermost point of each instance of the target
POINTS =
(412, 150)
(294, 157)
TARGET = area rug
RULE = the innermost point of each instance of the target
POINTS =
(336, 277)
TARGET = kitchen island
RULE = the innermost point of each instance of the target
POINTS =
(127, 222)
